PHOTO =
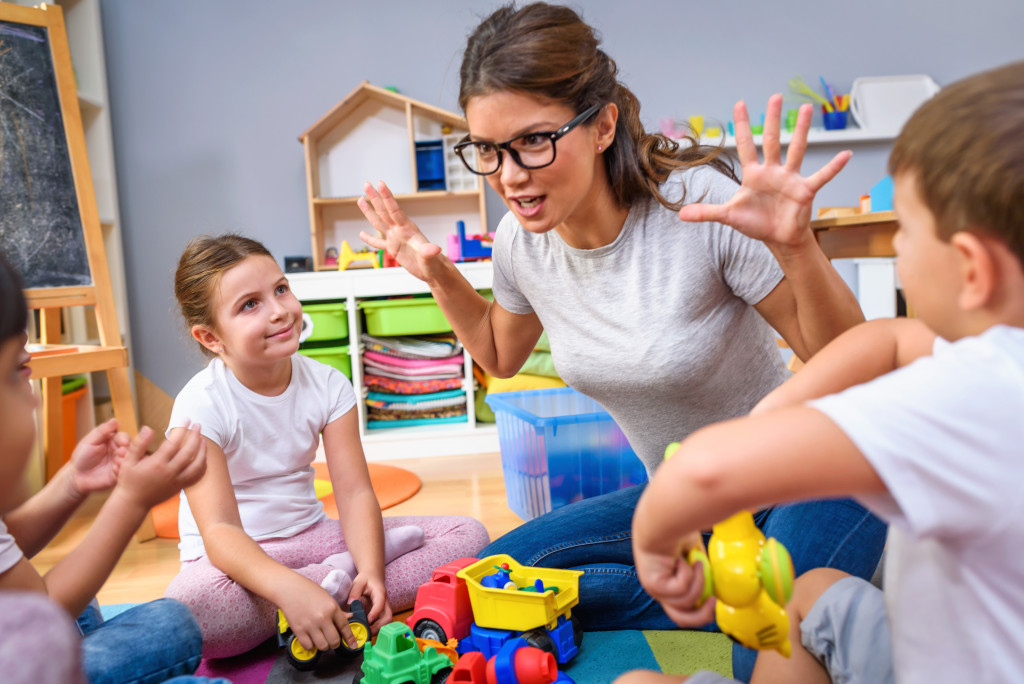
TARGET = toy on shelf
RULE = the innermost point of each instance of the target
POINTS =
(306, 659)
(751, 577)
(461, 248)
(394, 658)
(348, 257)
(515, 663)
(331, 256)
(483, 609)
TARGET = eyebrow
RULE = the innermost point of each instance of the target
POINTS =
(526, 130)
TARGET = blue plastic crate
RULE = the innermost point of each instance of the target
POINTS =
(430, 165)
(559, 446)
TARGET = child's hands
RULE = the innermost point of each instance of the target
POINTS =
(774, 201)
(675, 584)
(314, 616)
(396, 234)
(375, 596)
(179, 463)
(96, 459)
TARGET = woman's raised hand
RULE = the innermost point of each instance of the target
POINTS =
(774, 201)
(396, 234)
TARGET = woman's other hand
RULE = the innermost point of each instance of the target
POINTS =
(396, 234)
(774, 201)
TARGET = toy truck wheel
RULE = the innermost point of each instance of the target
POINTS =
(441, 676)
(428, 629)
(577, 631)
(360, 627)
(300, 657)
(538, 638)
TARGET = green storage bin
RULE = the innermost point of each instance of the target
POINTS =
(410, 316)
(337, 357)
(330, 321)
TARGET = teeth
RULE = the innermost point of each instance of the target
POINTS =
(529, 202)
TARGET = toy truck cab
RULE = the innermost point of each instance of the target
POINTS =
(396, 658)
(443, 610)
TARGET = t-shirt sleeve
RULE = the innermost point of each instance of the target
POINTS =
(341, 395)
(747, 265)
(940, 434)
(10, 552)
(197, 403)
(506, 292)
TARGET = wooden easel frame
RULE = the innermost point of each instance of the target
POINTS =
(109, 355)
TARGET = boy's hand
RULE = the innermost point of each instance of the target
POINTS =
(374, 595)
(396, 234)
(179, 463)
(675, 584)
(314, 616)
(96, 459)
(774, 201)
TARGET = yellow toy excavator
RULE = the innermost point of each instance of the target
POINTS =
(752, 578)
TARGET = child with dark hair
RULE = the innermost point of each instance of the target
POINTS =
(919, 419)
(148, 643)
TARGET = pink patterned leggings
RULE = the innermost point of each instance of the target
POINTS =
(234, 620)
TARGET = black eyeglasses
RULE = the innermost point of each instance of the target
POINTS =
(530, 151)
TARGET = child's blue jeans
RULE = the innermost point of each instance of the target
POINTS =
(594, 535)
(151, 642)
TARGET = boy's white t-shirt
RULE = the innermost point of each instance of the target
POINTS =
(946, 435)
(269, 443)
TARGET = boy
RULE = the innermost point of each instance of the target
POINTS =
(933, 447)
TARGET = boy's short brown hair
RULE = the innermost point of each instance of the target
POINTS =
(966, 148)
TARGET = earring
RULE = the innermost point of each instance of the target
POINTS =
(600, 148)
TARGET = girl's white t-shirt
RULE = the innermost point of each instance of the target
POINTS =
(269, 443)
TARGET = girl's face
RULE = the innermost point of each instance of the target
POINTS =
(574, 184)
(17, 419)
(256, 318)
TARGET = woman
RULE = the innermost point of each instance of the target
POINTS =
(668, 325)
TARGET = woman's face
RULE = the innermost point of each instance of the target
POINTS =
(542, 199)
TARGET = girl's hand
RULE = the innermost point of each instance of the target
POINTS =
(675, 584)
(375, 598)
(314, 616)
(774, 201)
(179, 463)
(97, 458)
(396, 234)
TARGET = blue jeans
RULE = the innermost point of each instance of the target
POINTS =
(149, 643)
(594, 535)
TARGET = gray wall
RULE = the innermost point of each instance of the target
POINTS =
(208, 98)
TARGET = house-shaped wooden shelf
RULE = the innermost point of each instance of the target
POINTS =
(377, 134)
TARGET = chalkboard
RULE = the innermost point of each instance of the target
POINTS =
(40, 223)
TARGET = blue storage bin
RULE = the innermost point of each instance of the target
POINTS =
(559, 446)
(430, 165)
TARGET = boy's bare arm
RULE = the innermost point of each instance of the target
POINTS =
(786, 455)
(862, 353)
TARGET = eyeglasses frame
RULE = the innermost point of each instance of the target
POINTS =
(586, 115)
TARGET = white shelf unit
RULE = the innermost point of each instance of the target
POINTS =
(387, 443)
(815, 136)
(371, 135)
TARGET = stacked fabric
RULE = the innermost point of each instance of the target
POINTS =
(413, 380)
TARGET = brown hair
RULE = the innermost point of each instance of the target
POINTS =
(966, 148)
(548, 51)
(13, 308)
(205, 259)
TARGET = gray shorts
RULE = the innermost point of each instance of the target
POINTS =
(848, 632)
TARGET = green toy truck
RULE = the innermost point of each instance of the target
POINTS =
(395, 658)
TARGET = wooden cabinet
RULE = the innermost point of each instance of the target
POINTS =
(376, 134)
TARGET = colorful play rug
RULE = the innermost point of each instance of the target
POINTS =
(603, 656)
(391, 484)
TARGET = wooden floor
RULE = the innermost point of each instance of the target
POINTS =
(452, 485)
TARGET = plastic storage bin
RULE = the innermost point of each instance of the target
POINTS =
(559, 446)
(409, 316)
(429, 165)
(330, 321)
(332, 356)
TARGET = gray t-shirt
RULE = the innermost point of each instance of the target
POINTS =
(658, 326)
